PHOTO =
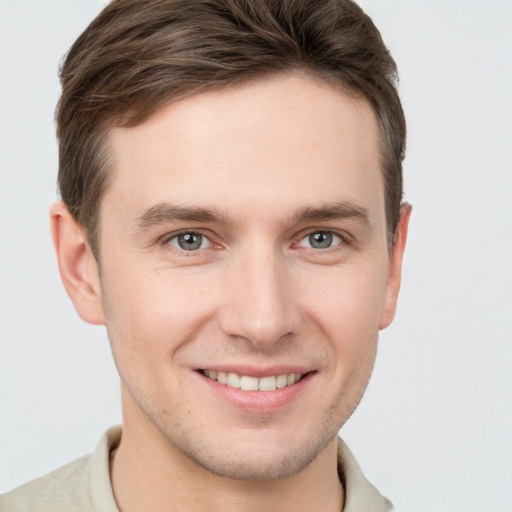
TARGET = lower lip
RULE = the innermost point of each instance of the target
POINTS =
(257, 401)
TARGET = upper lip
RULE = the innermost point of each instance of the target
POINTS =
(258, 371)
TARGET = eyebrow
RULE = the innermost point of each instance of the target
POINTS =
(163, 213)
(343, 210)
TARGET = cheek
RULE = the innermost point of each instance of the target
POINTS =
(346, 306)
(153, 311)
(346, 299)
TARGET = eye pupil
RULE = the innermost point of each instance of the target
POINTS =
(320, 240)
(190, 241)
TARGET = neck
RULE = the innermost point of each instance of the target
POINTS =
(149, 474)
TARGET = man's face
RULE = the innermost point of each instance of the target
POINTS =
(244, 238)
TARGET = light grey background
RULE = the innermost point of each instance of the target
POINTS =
(434, 429)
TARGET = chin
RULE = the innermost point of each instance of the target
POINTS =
(263, 464)
(255, 454)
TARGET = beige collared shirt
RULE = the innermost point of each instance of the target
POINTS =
(84, 485)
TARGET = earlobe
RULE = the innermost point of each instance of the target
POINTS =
(77, 265)
(395, 268)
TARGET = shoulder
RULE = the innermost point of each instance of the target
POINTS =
(360, 494)
(81, 486)
(65, 489)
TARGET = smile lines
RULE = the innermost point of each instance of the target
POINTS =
(246, 383)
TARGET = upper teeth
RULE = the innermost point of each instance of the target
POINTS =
(246, 383)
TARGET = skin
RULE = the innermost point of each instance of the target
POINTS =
(271, 162)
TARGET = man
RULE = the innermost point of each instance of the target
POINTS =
(231, 186)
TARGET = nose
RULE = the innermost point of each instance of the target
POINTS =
(258, 303)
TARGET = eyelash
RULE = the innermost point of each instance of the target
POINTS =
(332, 235)
(344, 239)
(166, 240)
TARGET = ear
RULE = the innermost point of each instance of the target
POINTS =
(77, 265)
(395, 268)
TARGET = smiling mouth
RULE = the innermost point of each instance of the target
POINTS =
(247, 383)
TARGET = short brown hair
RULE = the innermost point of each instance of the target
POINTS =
(138, 55)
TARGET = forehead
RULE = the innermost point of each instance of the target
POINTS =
(285, 140)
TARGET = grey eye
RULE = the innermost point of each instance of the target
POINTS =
(189, 241)
(320, 240)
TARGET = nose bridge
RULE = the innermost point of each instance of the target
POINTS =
(258, 306)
